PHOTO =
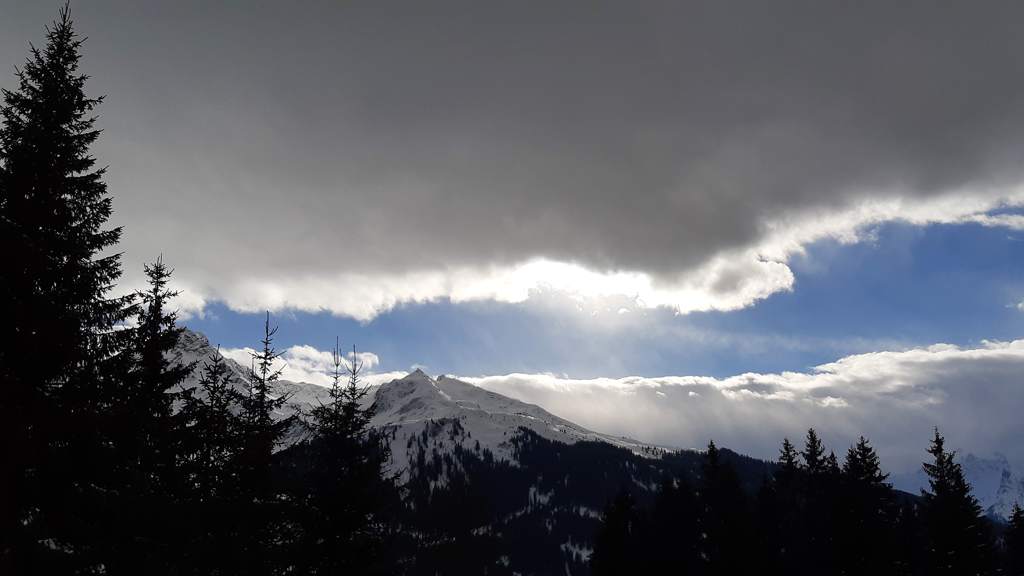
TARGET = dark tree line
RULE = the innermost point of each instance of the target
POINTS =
(812, 516)
(110, 465)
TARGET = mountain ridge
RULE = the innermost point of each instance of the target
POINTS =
(406, 406)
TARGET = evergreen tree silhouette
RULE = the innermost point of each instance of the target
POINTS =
(821, 475)
(957, 538)
(208, 460)
(211, 442)
(260, 508)
(59, 338)
(787, 540)
(347, 490)
(1013, 541)
(789, 462)
(813, 454)
(725, 517)
(146, 436)
(614, 547)
(866, 517)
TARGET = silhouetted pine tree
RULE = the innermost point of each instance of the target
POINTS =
(832, 469)
(146, 437)
(724, 517)
(821, 479)
(957, 538)
(58, 335)
(347, 491)
(866, 517)
(815, 462)
(211, 441)
(1013, 542)
(213, 433)
(614, 547)
(789, 463)
(261, 509)
(787, 540)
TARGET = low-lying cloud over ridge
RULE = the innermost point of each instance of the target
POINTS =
(353, 156)
(304, 363)
(973, 394)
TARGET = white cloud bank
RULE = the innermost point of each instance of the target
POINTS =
(975, 395)
(304, 363)
(729, 280)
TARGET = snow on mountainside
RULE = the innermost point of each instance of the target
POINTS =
(417, 403)
(993, 482)
(420, 413)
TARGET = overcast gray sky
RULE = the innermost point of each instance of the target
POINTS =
(446, 144)
(346, 158)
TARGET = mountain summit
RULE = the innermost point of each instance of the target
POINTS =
(455, 413)
(442, 414)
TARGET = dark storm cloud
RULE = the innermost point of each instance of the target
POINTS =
(426, 136)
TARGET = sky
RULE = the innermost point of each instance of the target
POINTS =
(670, 220)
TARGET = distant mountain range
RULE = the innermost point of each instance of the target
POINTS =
(524, 486)
(407, 405)
(488, 422)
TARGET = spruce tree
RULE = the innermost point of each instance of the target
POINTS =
(788, 456)
(213, 432)
(815, 462)
(1013, 541)
(347, 490)
(59, 336)
(262, 435)
(788, 541)
(957, 539)
(866, 517)
(343, 414)
(724, 517)
(862, 466)
(821, 475)
(211, 441)
(146, 434)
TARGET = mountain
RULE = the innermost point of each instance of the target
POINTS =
(407, 406)
(993, 481)
(491, 484)
(411, 405)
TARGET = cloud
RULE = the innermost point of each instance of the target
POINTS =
(354, 156)
(894, 397)
(304, 363)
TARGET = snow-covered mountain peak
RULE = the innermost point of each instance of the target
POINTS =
(455, 413)
(442, 414)
(413, 398)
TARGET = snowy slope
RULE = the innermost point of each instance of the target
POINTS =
(194, 348)
(452, 412)
(409, 406)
